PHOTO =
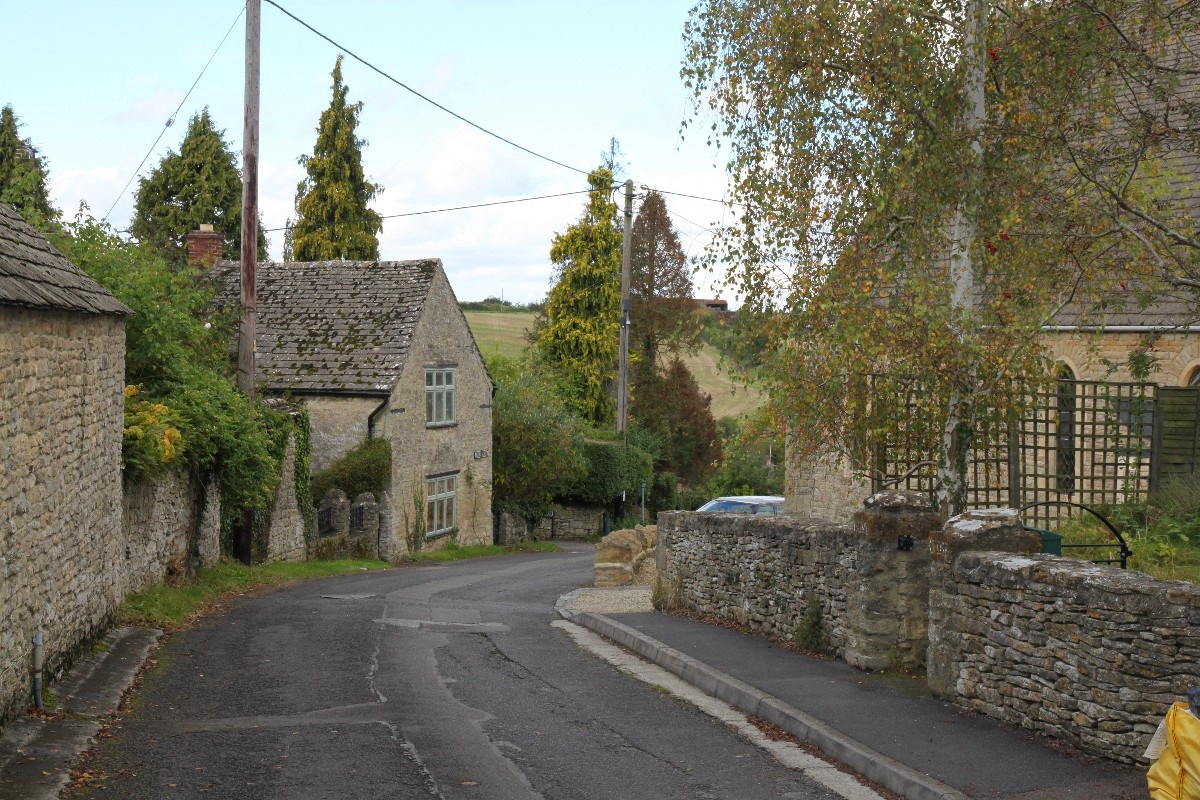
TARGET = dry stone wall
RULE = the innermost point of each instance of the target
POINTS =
(571, 523)
(1089, 654)
(61, 544)
(172, 523)
(763, 572)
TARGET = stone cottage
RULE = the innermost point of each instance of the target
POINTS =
(381, 349)
(62, 375)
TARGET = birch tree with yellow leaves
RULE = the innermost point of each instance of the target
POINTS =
(912, 199)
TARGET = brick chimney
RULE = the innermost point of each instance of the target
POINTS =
(204, 247)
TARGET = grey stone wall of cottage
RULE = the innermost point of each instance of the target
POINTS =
(61, 543)
(339, 424)
(824, 487)
(463, 449)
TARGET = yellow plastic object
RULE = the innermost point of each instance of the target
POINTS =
(1176, 773)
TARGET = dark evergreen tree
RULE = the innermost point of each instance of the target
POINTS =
(661, 305)
(198, 185)
(22, 173)
(670, 405)
(332, 217)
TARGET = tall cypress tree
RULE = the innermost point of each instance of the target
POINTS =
(660, 284)
(200, 184)
(332, 217)
(22, 172)
(583, 309)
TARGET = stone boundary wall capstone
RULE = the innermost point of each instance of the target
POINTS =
(1086, 653)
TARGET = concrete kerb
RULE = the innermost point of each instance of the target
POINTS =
(885, 771)
(35, 756)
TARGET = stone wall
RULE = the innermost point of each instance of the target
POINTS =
(285, 535)
(61, 543)
(420, 450)
(1089, 654)
(763, 572)
(349, 530)
(572, 523)
(172, 524)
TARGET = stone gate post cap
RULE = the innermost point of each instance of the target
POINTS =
(898, 500)
(997, 529)
(979, 520)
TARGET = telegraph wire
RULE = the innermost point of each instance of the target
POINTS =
(429, 100)
(688, 221)
(171, 119)
(692, 196)
(439, 210)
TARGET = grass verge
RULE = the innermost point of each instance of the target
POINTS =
(171, 606)
(458, 552)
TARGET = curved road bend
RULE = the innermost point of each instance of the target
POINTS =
(440, 681)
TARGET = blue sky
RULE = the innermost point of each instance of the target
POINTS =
(93, 84)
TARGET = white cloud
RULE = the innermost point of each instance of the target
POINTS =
(155, 107)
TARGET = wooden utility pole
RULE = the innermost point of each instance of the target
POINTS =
(249, 245)
(623, 362)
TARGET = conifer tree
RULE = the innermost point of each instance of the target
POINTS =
(198, 185)
(22, 172)
(332, 217)
(660, 283)
(583, 308)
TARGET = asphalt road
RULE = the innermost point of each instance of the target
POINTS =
(442, 681)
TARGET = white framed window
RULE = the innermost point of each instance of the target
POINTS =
(441, 512)
(439, 396)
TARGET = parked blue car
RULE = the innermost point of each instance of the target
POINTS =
(746, 504)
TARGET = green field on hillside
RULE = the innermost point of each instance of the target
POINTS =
(504, 334)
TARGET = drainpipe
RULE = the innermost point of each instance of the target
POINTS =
(371, 418)
(37, 671)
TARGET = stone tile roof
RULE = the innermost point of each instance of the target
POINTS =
(332, 326)
(1157, 306)
(35, 275)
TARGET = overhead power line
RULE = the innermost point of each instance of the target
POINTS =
(440, 210)
(692, 196)
(171, 119)
(429, 100)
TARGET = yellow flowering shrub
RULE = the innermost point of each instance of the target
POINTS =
(152, 441)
